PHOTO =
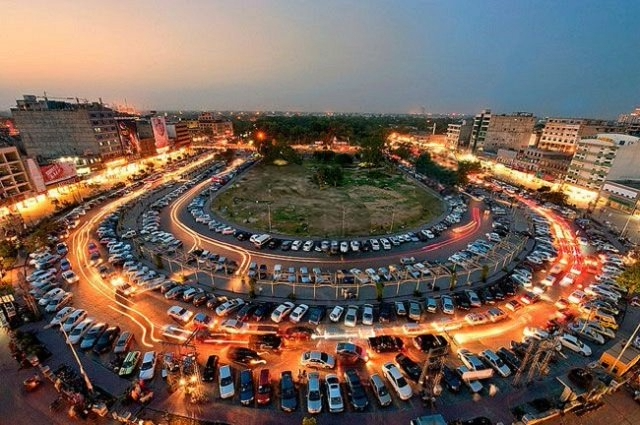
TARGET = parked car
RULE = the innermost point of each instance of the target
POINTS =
(380, 390)
(336, 313)
(288, 397)
(129, 364)
(92, 335)
(209, 371)
(356, 392)
(397, 381)
(148, 366)
(225, 382)
(106, 340)
(246, 387)
(409, 367)
(318, 359)
(314, 395)
(335, 400)
(574, 344)
(282, 311)
(245, 356)
(385, 344)
(265, 387)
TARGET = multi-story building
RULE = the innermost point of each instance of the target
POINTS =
(547, 165)
(512, 132)
(479, 130)
(52, 129)
(14, 181)
(604, 157)
(631, 122)
(179, 133)
(212, 126)
(562, 134)
(458, 134)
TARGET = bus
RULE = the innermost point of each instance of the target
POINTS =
(261, 241)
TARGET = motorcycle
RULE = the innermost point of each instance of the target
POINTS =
(32, 384)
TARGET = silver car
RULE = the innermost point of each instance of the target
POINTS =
(314, 396)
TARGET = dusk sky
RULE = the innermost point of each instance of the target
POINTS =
(552, 58)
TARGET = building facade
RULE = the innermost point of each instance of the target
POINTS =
(51, 130)
(547, 165)
(604, 157)
(458, 134)
(512, 132)
(479, 130)
(214, 127)
(15, 184)
(562, 134)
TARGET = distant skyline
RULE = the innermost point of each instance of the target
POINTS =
(564, 59)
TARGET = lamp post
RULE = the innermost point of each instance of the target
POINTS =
(87, 381)
(626, 224)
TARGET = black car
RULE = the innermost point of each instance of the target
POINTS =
(209, 371)
(437, 345)
(286, 245)
(462, 301)
(509, 358)
(201, 299)
(246, 387)
(355, 390)
(261, 312)
(497, 292)
(386, 313)
(106, 340)
(265, 342)
(451, 379)
(299, 333)
(245, 356)
(274, 243)
(409, 366)
(244, 314)
(486, 296)
(288, 397)
(386, 344)
(316, 314)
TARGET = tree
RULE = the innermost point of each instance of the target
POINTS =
(630, 278)
(465, 168)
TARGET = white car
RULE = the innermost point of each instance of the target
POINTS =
(367, 314)
(70, 277)
(56, 303)
(336, 313)
(234, 326)
(295, 246)
(351, 318)
(397, 381)
(298, 313)
(180, 314)
(282, 311)
(80, 330)
(308, 246)
(229, 306)
(521, 280)
(355, 246)
(53, 293)
(39, 275)
(576, 297)
(495, 362)
(61, 316)
(574, 344)
(535, 333)
(335, 400)
(148, 366)
(73, 319)
(447, 305)
(225, 382)
(314, 395)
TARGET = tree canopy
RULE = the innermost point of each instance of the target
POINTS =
(630, 278)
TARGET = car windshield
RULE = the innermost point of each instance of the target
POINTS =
(336, 400)
(383, 391)
(264, 389)
(401, 382)
(314, 395)
(146, 365)
(226, 381)
(324, 357)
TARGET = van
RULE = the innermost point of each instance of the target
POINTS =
(264, 387)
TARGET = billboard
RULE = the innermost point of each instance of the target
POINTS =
(160, 133)
(58, 172)
(128, 132)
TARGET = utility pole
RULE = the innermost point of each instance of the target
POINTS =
(343, 217)
(393, 216)
(87, 381)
